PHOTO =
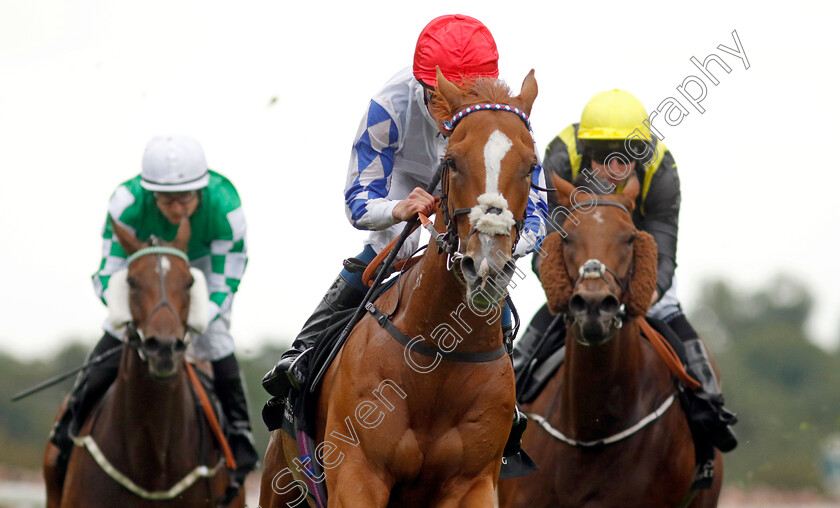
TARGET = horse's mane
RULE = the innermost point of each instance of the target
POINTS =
(477, 91)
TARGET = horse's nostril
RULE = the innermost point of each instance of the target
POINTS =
(468, 267)
(577, 304)
(151, 344)
(609, 305)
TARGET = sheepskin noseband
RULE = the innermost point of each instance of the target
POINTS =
(119, 311)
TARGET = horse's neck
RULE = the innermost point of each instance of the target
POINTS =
(603, 386)
(155, 417)
(435, 306)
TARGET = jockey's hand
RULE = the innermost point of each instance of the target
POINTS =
(419, 201)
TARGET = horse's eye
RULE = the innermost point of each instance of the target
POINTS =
(532, 169)
(450, 163)
(632, 239)
(132, 283)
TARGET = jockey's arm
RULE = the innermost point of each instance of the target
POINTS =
(228, 248)
(536, 210)
(368, 178)
(556, 162)
(113, 255)
(661, 219)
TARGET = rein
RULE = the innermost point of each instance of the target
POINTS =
(360, 310)
(448, 242)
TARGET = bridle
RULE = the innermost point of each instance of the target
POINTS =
(596, 269)
(450, 241)
(136, 339)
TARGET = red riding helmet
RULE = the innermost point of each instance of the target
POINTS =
(462, 46)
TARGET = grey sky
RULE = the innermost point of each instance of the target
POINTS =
(84, 84)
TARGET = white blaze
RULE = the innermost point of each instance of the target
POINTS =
(164, 262)
(495, 150)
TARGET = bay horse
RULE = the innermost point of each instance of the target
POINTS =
(421, 423)
(605, 430)
(145, 445)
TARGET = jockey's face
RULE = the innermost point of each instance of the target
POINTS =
(617, 172)
(176, 205)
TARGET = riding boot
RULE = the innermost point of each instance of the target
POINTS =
(91, 384)
(525, 349)
(707, 401)
(514, 442)
(227, 382)
(293, 368)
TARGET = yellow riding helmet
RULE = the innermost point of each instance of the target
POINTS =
(613, 114)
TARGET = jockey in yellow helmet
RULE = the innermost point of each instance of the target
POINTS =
(612, 143)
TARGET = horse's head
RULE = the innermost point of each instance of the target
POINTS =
(158, 298)
(602, 270)
(487, 178)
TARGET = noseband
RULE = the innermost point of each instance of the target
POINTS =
(164, 302)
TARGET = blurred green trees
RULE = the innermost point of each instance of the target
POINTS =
(785, 390)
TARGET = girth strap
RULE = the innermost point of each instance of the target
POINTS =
(384, 321)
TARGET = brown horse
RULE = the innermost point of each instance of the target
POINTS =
(399, 428)
(144, 445)
(605, 431)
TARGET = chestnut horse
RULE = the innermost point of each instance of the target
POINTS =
(606, 430)
(145, 445)
(399, 428)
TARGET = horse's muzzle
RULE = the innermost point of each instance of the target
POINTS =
(486, 283)
(163, 355)
(596, 312)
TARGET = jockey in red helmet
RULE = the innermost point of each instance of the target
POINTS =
(395, 153)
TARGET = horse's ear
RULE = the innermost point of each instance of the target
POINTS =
(630, 192)
(450, 93)
(553, 275)
(182, 238)
(127, 241)
(643, 282)
(529, 92)
(563, 188)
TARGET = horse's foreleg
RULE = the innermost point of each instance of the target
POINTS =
(477, 493)
(49, 467)
(278, 486)
(355, 485)
(51, 476)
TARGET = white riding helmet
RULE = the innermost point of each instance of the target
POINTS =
(174, 164)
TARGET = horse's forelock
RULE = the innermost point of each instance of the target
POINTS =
(477, 91)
